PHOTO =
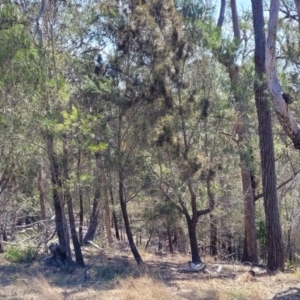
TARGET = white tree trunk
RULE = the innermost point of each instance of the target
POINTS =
(284, 116)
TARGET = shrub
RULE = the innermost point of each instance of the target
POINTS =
(111, 272)
(25, 255)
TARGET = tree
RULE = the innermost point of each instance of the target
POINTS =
(227, 58)
(274, 234)
(281, 104)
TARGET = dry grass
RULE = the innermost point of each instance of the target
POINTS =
(159, 280)
(42, 289)
(144, 287)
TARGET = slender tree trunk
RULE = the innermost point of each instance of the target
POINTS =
(213, 235)
(69, 201)
(149, 239)
(114, 216)
(106, 209)
(90, 234)
(41, 193)
(274, 233)
(170, 238)
(75, 240)
(80, 232)
(192, 223)
(132, 245)
(250, 243)
(60, 218)
(42, 206)
(116, 225)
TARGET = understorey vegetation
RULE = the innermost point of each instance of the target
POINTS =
(154, 127)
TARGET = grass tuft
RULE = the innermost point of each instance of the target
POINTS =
(40, 285)
(25, 255)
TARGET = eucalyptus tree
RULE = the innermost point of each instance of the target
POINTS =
(274, 232)
(227, 56)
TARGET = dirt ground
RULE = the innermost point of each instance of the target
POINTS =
(113, 274)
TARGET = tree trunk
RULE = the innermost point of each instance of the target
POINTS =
(42, 206)
(60, 218)
(213, 235)
(80, 232)
(274, 234)
(106, 209)
(116, 225)
(192, 222)
(133, 248)
(170, 238)
(76, 244)
(90, 234)
(41, 193)
(69, 201)
(250, 245)
(288, 124)
(114, 216)
(193, 241)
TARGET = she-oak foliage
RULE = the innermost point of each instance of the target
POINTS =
(126, 98)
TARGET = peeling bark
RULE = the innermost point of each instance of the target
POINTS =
(283, 114)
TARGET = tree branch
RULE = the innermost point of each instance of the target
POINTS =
(280, 185)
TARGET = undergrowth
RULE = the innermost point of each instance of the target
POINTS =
(21, 255)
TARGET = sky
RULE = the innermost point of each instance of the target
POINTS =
(243, 4)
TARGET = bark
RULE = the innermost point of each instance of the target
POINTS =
(42, 205)
(290, 253)
(69, 201)
(80, 232)
(60, 218)
(41, 193)
(235, 21)
(193, 241)
(222, 13)
(114, 215)
(283, 113)
(170, 238)
(149, 239)
(115, 220)
(274, 234)
(250, 245)
(213, 235)
(106, 209)
(90, 234)
(123, 203)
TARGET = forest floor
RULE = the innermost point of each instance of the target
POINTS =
(113, 274)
